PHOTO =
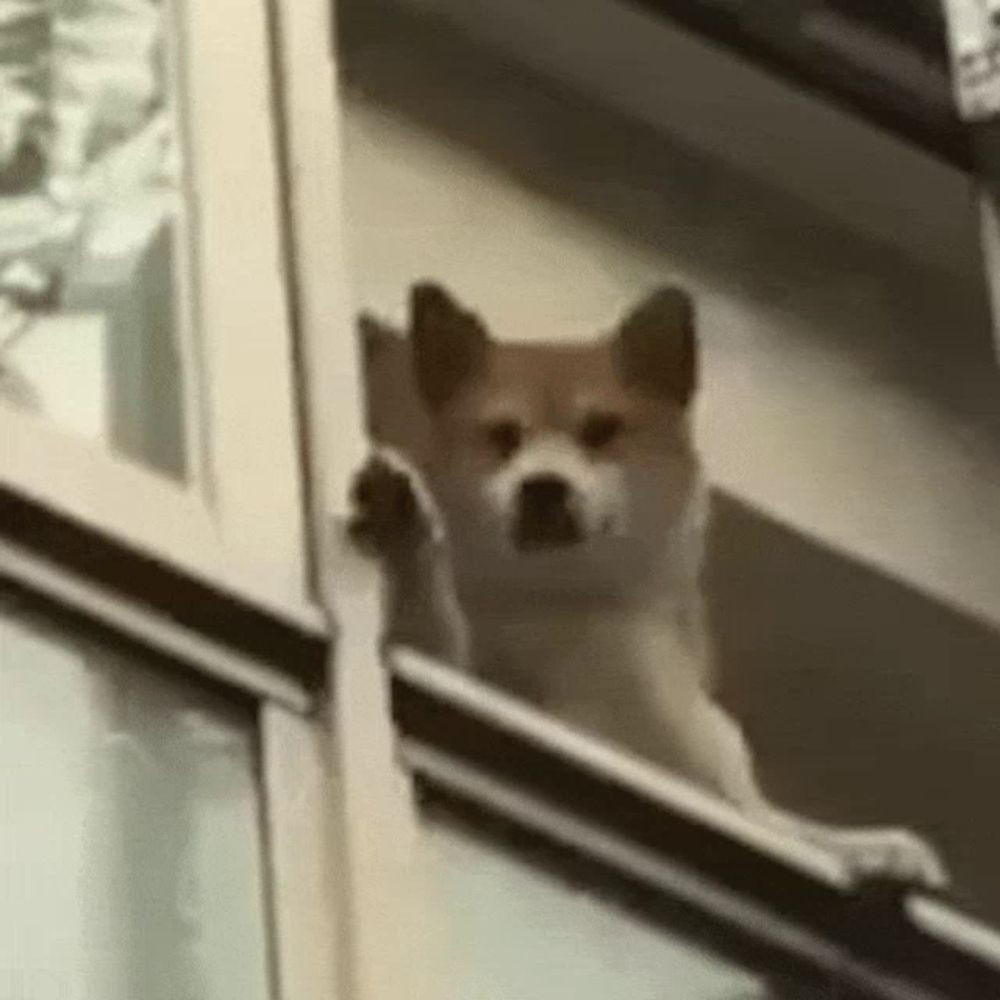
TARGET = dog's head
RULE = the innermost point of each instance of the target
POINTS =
(541, 448)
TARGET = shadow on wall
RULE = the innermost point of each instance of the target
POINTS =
(864, 700)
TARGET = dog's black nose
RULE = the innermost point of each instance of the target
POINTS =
(544, 493)
(545, 518)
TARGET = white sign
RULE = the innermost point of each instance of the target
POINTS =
(974, 36)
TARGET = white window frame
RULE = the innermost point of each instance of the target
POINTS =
(213, 582)
(240, 523)
(294, 764)
(383, 945)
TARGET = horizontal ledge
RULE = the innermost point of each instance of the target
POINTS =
(123, 619)
(452, 725)
(55, 545)
(955, 928)
(608, 763)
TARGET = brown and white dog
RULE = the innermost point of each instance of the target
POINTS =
(545, 531)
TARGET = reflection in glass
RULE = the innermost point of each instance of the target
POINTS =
(130, 854)
(89, 208)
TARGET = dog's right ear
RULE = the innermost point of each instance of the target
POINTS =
(656, 346)
(450, 344)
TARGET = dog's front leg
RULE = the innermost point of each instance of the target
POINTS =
(396, 520)
(885, 853)
(720, 758)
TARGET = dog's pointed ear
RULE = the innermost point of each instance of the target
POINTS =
(450, 344)
(656, 346)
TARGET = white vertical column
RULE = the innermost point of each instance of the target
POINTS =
(387, 950)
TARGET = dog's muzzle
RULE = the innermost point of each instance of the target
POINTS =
(545, 516)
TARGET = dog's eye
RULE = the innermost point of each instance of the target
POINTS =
(504, 436)
(600, 429)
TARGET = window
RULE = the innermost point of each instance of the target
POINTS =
(162, 826)
(133, 826)
(147, 325)
(95, 243)
(164, 645)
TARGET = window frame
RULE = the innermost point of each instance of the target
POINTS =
(216, 588)
(294, 792)
(240, 522)
(382, 953)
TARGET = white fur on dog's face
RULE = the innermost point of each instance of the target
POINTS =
(561, 415)
(596, 497)
(554, 466)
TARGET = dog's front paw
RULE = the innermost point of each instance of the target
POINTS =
(393, 514)
(894, 855)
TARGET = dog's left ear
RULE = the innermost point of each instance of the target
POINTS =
(450, 344)
(656, 347)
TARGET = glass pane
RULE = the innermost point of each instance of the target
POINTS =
(91, 248)
(514, 929)
(130, 847)
(549, 165)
